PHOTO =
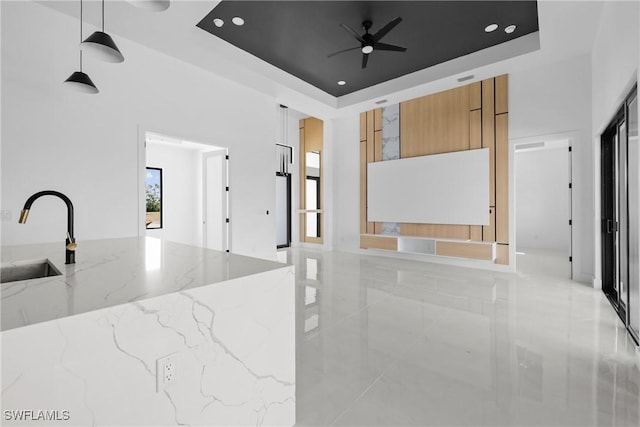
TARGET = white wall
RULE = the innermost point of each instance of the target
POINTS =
(615, 65)
(181, 193)
(88, 147)
(555, 99)
(542, 199)
(346, 192)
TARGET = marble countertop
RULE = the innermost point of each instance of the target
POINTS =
(111, 272)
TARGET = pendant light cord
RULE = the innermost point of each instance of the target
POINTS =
(103, 16)
(81, 35)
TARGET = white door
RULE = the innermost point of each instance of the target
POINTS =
(214, 167)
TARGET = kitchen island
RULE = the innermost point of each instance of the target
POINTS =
(90, 346)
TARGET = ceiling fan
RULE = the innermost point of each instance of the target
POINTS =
(371, 42)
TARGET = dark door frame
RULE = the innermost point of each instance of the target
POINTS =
(614, 211)
(288, 176)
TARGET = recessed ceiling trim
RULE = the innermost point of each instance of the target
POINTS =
(408, 87)
(303, 38)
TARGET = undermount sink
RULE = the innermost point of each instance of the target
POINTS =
(27, 270)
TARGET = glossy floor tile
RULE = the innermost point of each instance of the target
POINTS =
(388, 342)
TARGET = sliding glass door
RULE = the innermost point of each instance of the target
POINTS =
(620, 163)
(633, 187)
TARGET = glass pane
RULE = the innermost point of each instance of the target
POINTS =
(622, 214)
(312, 194)
(616, 216)
(633, 176)
(313, 163)
(154, 198)
(282, 212)
(312, 225)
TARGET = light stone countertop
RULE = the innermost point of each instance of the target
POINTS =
(111, 272)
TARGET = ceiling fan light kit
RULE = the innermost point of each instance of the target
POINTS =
(371, 42)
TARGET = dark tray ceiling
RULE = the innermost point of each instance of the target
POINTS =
(297, 36)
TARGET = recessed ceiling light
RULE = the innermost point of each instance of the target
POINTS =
(218, 22)
(341, 83)
(237, 20)
(510, 29)
(491, 27)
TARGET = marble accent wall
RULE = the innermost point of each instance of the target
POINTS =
(391, 132)
(391, 150)
(234, 343)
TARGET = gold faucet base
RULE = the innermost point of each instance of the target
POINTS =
(23, 216)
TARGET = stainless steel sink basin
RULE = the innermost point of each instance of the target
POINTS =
(27, 270)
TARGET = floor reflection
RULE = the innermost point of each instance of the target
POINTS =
(395, 342)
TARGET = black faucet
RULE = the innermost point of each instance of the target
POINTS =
(70, 249)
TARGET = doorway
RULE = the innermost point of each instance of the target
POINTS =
(215, 200)
(193, 198)
(543, 217)
(620, 213)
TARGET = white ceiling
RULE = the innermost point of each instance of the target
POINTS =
(567, 29)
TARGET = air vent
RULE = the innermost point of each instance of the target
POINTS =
(465, 78)
(382, 101)
(529, 146)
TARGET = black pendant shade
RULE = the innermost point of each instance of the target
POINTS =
(81, 82)
(102, 46)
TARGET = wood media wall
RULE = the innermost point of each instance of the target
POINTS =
(466, 118)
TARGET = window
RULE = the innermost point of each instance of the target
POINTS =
(154, 198)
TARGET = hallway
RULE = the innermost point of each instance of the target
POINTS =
(383, 341)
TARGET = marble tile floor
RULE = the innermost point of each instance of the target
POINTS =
(388, 342)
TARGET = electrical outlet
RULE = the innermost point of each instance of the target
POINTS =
(166, 371)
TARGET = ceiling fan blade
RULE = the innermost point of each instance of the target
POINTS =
(365, 58)
(352, 32)
(384, 30)
(384, 46)
(343, 51)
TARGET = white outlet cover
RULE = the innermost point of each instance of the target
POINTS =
(166, 371)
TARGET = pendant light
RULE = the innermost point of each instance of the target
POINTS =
(151, 5)
(79, 80)
(102, 45)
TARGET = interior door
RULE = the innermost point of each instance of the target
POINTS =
(214, 165)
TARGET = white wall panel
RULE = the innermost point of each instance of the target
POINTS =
(450, 188)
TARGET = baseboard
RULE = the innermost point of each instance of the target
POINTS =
(596, 283)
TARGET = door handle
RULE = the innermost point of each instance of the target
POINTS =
(612, 226)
